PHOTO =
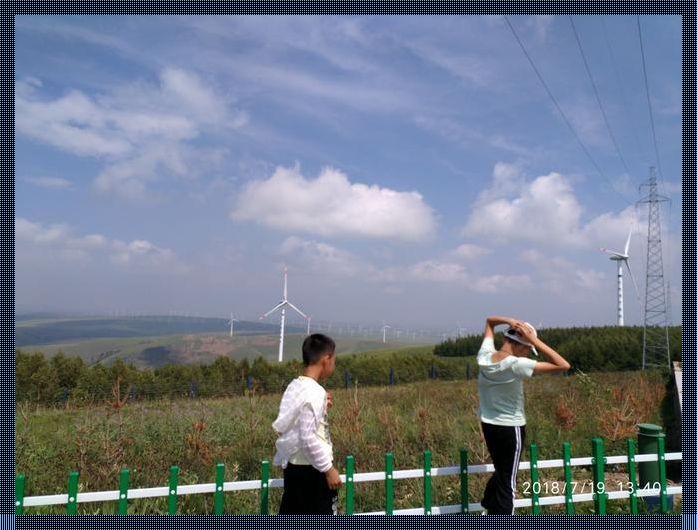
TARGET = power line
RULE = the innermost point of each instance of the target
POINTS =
(597, 96)
(620, 85)
(648, 99)
(561, 112)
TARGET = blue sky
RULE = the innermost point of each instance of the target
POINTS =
(406, 169)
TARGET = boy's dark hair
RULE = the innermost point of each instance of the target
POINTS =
(315, 346)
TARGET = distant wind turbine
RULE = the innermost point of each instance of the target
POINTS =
(309, 319)
(385, 327)
(232, 324)
(622, 258)
(282, 306)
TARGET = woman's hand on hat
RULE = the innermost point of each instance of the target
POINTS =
(526, 332)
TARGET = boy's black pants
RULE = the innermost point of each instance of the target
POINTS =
(505, 445)
(305, 491)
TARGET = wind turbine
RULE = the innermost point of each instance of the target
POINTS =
(232, 324)
(384, 330)
(622, 258)
(309, 319)
(282, 306)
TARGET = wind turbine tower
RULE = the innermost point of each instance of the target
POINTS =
(282, 306)
(622, 258)
(232, 324)
(385, 327)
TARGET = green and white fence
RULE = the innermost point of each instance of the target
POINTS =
(598, 493)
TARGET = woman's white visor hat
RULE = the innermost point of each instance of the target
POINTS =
(513, 335)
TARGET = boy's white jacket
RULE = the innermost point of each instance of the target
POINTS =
(302, 408)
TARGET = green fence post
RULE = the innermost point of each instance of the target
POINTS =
(464, 485)
(219, 499)
(19, 494)
(264, 495)
(427, 483)
(535, 480)
(72, 492)
(389, 487)
(662, 473)
(599, 495)
(349, 485)
(631, 469)
(568, 483)
(123, 492)
(173, 486)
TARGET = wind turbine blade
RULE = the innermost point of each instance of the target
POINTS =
(626, 246)
(279, 306)
(612, 252)
(298, 310)
(636, 288)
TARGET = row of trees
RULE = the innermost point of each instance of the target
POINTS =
(68, 379)
(587, 349)
(61, 379)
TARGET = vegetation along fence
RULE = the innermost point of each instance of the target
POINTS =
(568, 496)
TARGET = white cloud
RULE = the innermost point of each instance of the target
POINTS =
(68, 245)
(500, 283)
(72, 123)
(322, 257)
(469, 252)
(361, 96)
(141, 131)
(35, 233)
(454, 131)
(540, 25)
(79, 33)
(138, 250)
(436, 271)
(129, 177)
(588, 122)
(591, 280)
(331, 205)
(544, 211)
(559, 275)
(508, 181)
(671, 188)
(325, 259)
(55, 183)
(470, 68)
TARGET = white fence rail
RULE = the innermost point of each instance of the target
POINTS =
(377, 476)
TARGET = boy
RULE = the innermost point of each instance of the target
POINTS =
(502, 405)
(304, 446)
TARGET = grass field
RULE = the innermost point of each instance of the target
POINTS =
(441, 416)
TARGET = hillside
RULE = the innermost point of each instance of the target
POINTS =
(32, 331)
(202, 348)
(157, 341)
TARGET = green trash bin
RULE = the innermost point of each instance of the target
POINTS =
(648, 471)
(648, 444)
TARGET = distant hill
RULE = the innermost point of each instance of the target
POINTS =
(156, 341)
(45, 329)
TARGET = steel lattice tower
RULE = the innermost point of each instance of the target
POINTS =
(656, 350)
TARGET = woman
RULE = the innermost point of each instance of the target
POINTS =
(501, 402)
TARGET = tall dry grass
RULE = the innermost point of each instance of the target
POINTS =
(149, 437)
